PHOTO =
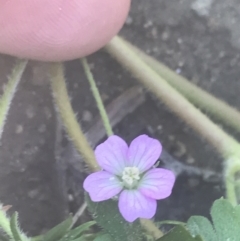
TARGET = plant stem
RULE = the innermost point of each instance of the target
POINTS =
(214, 106)
(64, 107)
(151, 228)
(224, 144)
(79, 213)
(10, 90)
(97, 97)
(232, 168)
(170, 222)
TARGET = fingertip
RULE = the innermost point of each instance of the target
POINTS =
(58, 30)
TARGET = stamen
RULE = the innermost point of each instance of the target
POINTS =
(130, 176)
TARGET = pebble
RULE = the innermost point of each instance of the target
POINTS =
(19, 129)
(129, 20)
(202, 7)
(193, 182)
(42, 128)
(87, 116)
(33, 193)
(190, 160)
(165, 36)
(47, 112)
(30, 112)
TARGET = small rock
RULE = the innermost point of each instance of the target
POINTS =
(193, 182)
(19, 129)
(129, 20)
(171, 138)
(148, 24)
(154, 32)
(159, 127)
(47, 112)
(33, 193)
(180, 41)
(91, 66)
(190, 160)
(222, 54)
(178, 70)
(87, 116)
(30, 112)
(42, 128)
(202, 7)
(165, 36)
(70, 197)
(181, 63)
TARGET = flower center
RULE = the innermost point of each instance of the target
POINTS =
(130, 176)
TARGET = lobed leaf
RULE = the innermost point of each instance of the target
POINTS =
(107, 216)
(18, 235)
(226, 223)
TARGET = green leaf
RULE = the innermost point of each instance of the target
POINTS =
(226, 220)
(18, 235)
(37, 238)
(103, 237)
(5, 222)
(76, 233)
(179, 233)
(58, 231)
(201, 226)
(107, 215)
(226, 223)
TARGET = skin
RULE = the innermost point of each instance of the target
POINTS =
(57, 30)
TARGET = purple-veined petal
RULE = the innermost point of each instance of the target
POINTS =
(102, 186)
(132, 205)
(144, 152)
(157, 183)
(111, 155)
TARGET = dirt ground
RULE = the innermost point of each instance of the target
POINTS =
(199, 39)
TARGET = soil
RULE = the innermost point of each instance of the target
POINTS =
(188, 36)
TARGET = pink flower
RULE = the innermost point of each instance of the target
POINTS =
(129, 173)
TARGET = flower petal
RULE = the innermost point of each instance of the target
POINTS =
(111, 155)
(102, 186)
(132, 205)
(157, 183)
(144, 152)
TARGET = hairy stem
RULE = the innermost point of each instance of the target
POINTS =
(224, 144)
(97, 97)
(68, 117)
(10, 90)
(214, 106)
(232, 168)
(171, 222)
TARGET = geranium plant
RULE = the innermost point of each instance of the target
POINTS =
(125, 181)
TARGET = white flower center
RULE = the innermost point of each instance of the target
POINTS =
(130, 176)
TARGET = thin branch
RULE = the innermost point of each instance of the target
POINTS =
(10, 90)
(79, 213)
(68, 117)
(226, 145)
(97, 97)
(201, 98)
